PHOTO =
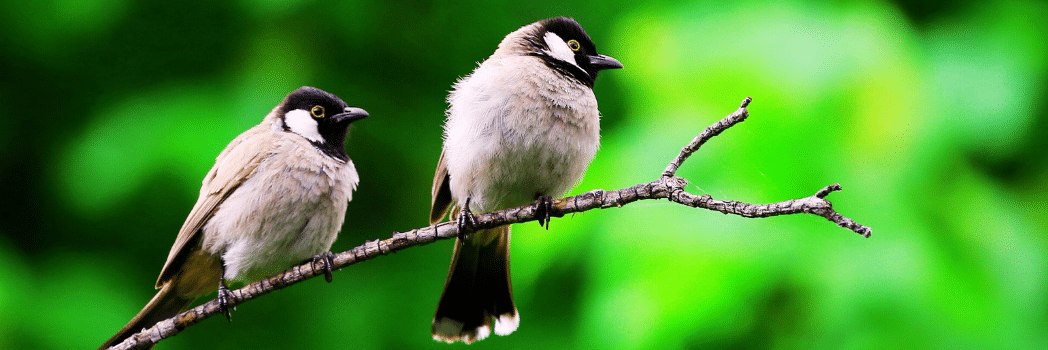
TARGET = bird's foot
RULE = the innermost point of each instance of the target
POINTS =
(466, 221)
(329, 261)
(225, 298)
(544, 210)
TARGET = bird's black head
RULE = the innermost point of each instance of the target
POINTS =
(564, 46)
(320, 117)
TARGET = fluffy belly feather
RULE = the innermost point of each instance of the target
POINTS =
(529, 161)
(294, 215)
(512, 138)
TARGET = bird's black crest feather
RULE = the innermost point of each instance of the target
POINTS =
(334, 134)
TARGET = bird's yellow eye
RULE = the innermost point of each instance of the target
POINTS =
(318, 111)
(573, 45)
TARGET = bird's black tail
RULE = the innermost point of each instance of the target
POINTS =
(164, 305)
(477, 290)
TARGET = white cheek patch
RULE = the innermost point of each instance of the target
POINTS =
(300, 122)
(559, 49)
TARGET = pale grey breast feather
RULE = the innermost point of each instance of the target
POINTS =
(298, 198)
(547, 108)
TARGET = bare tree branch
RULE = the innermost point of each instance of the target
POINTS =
(667, 187)
(713, 130)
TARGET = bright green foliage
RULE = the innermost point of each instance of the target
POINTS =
(932, 117)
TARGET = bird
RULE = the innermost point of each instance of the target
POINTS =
(521, 128)
(276, 197)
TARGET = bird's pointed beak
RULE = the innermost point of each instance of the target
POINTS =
(351, 114)
(604, 62)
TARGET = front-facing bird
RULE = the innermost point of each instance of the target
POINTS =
(521, 128)
(276, 197)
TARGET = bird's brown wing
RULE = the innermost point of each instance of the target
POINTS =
(232, 167)
(441, 192)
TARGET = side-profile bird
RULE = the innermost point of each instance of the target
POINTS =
(521, 128)
(276, 197)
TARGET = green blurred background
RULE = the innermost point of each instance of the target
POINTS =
(931, 115)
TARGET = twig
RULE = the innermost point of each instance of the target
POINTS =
(666, 187)
(736, 117)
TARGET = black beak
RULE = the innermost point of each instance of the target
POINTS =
(603, 62)
(351, 114)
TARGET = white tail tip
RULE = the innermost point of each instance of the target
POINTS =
(506, 324)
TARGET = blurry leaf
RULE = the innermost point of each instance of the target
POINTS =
(179, 129)
(988, 69)
(50, 27)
